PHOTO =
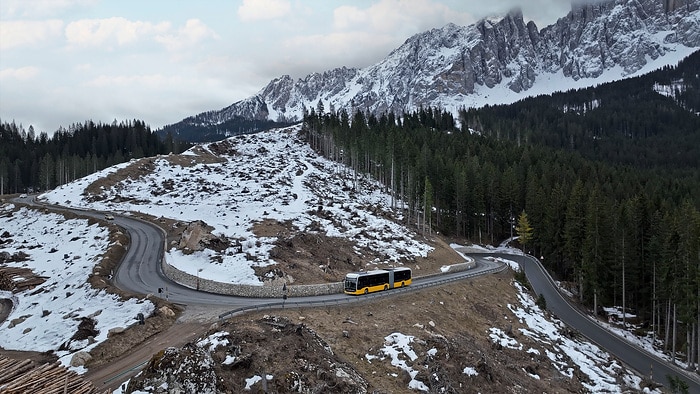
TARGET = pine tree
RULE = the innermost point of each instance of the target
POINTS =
(523, 229)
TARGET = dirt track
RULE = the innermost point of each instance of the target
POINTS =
(110, 376)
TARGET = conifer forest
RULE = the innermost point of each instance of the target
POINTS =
(602, 184)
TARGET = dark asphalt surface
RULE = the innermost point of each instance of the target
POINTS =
(633, 356)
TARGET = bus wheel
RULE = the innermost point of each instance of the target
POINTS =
(386, 287)
(365, 291)
(401, 284)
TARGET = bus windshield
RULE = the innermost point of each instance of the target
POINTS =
(351, 284)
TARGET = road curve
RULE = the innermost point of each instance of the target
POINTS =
(633, 356)
(141, 272)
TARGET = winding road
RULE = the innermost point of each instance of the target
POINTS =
(140, 272)
(633, 356)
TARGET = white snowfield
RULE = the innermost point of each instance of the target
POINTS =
(64, 251)
(270, 175)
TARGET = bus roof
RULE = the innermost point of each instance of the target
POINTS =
(373, 272)
(363, 273)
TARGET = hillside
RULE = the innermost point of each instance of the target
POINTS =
(481, 335)
(477, 347)
(253, 210)
(645, 122)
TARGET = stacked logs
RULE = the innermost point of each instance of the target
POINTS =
(25, 377)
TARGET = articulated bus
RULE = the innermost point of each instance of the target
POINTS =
(377, 280)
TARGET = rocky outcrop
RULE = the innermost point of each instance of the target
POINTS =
(454, 66)
(240, 358)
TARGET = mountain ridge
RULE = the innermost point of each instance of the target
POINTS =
(494, 61)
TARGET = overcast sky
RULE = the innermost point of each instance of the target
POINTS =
(65, 61)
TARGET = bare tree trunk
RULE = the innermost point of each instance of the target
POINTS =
(673, 344)
(402, 195)
(624, 306)
(688, 341)
(691, 347)
(668, 324)
(355, 165)
(595, 302)
(409, 198)
(393, 190)
(425, 208)
(654, 313)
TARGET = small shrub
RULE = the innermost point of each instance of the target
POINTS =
(677, 385)
(521, 278)
(541, 302)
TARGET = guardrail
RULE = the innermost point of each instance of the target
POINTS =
(358, 299)
(669, 363)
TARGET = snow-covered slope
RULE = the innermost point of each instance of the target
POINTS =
(273, 176)
(496, 60)
(64, 314)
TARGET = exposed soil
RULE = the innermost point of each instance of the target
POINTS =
(117, 354)
(144, 166)
(310, 258)
(452, 320)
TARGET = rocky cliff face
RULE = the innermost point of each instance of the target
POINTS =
(594, 38)
(496, 60)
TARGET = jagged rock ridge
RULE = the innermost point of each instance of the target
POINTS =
(496, 60)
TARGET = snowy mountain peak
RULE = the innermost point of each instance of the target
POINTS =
(496, 60)
(514, 14)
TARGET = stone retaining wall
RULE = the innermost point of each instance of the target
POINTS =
(467, 265)
(240, 290)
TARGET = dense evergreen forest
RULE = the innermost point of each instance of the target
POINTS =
(198, 128)
(31, 162)
(625, 122)
(603, 184)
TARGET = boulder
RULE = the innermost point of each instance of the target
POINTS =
(165, 311)
(115, 331)
(80, 358)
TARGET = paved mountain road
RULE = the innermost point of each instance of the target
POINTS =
(140, 272)
(633, 356)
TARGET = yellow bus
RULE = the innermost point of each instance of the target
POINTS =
(367, 282)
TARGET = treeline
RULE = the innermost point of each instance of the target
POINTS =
(591, 220)
(200, 128)
(31, 162)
